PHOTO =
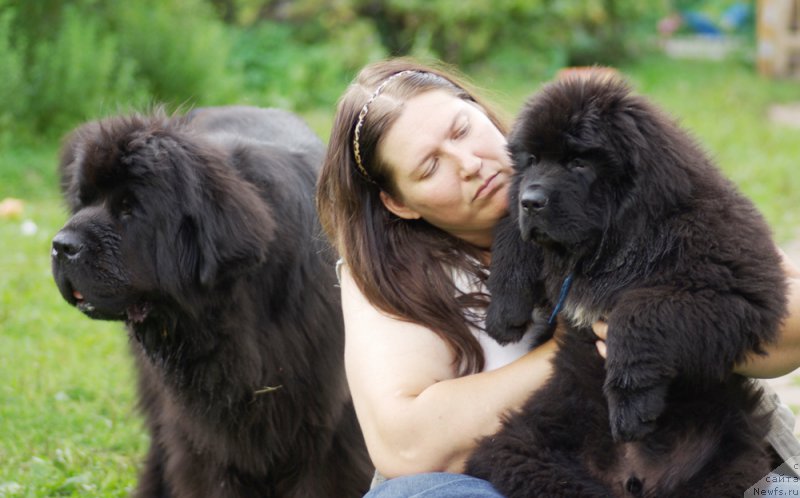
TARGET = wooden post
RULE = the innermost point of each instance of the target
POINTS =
(778, 32)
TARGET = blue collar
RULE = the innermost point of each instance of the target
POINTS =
(562, 297)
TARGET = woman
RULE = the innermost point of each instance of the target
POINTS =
(415, 178)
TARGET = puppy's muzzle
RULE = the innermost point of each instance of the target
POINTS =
(533, 199)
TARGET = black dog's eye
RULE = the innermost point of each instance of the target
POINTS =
(126, 205)
(86, 196)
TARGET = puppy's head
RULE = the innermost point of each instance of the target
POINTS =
(581, 147)
(156, 214)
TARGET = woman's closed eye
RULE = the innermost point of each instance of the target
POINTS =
(461, 130)
(433, 165)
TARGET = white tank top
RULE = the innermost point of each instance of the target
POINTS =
(495, 354)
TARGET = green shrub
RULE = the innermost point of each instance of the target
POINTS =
(180, 49)
(11, 82)
(281, 70)
(574, 31)
(77, 75)
(87, 58)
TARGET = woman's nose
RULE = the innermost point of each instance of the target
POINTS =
(470, 165)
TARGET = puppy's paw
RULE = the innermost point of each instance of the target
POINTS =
(505, 331)
(633, 413)
(507, 323)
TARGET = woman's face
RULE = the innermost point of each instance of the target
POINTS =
(449, 164)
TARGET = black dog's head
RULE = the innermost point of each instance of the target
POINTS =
(580, 147)
(153, 217)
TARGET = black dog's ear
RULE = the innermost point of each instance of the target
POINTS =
(232, 225)
(70, 157)
(236, 235)
(66, 161)
(219, 226)
(514, 282)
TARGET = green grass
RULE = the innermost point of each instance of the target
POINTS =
(68, 425)
(28, 169)
(67, 422)
(726, 107)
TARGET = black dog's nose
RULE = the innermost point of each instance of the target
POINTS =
(634, 486)
(67, 243)
(533, 199)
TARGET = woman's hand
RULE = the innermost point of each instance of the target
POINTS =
(783, 355)
(600, 329)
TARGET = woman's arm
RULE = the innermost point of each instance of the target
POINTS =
(784, 355)
(415, 413)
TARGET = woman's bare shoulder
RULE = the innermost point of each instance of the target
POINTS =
(387, 353)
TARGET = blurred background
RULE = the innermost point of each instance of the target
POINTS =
(729, 71)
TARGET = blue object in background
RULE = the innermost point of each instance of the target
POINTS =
(736, 16)
(700, 23)
(733, 18)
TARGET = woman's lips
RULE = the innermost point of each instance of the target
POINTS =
(485, 187)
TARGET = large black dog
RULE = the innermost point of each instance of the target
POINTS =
(199, 232)
(623, 217)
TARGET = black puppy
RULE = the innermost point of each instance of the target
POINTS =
(623, 217)
(200, 233)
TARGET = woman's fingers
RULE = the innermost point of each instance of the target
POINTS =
(600, 329)
(601, 348)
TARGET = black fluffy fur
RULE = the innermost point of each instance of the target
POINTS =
(200, 233)
(682, 267)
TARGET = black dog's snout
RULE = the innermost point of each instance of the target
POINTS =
(67, 244)
(533, 199)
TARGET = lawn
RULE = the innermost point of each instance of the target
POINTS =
(67, 420)
(68, 425)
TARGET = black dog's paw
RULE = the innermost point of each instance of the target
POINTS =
(505, 323)
(509, 316)
(633, 413)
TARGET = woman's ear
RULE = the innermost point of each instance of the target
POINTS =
(398, 208)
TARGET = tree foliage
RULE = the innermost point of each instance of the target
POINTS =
(68, 60)
(73, 60)
(468, 31)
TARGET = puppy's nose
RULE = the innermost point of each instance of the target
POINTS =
(533, 199)
(67, 244)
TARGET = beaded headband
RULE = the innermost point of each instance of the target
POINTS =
(363, 114)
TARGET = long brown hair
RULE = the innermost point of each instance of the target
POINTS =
(403, 267)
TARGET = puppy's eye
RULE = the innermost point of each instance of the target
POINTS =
(579, 164)
(523, 160)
